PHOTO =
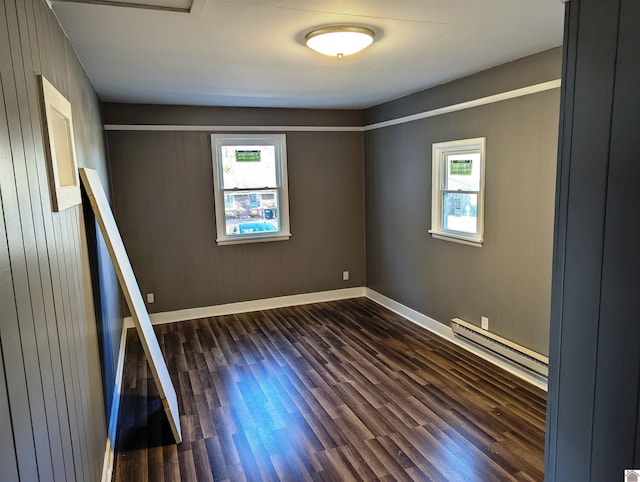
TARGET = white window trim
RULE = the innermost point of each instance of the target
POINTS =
(277, 140)
(438, 173)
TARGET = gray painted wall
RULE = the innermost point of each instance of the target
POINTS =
(163, 202)
(508, 279)
(51, 393)
(594, 389)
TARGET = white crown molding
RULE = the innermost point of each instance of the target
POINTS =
(512, 94)
(203, 128)
(492, 99)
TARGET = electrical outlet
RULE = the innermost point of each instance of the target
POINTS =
(150, 298)
(345, 275)
(485, 322)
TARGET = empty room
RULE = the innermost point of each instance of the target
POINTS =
(319, 240)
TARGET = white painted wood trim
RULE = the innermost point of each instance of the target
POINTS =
(132, 295)
(444, 237)
(410, 314)
(255, 305)
(446, 332)
(112, 429)
(201, 128)
(511, 94)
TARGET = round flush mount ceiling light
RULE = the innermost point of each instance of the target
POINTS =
(340, 40)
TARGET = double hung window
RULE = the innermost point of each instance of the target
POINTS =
(457, 208)
(250, 187)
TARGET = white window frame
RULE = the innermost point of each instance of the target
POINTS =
(280, 144)
(438, 177)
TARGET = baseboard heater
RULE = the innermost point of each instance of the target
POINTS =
(512, 351)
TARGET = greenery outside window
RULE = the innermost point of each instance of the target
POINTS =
(457, 205)
(250, 187)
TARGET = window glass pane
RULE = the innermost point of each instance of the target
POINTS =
(249, 212)
(463, 172)
(248, 166)
(460, 212)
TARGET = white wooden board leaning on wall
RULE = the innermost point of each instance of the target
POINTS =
(132, 294)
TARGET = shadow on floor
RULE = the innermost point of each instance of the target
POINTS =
(145, 424)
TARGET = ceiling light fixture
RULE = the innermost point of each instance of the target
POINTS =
(340, 40)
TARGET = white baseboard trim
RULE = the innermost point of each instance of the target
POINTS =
(112, 429)
(446, 332)
(247, 306)
(410, 314)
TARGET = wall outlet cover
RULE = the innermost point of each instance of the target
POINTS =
(485, 323)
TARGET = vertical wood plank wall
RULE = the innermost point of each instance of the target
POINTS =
(594, 384)
(163, 202)
(51, 386)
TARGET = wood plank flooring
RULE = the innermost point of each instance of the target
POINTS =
(345, 390)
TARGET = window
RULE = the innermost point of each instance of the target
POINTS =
(457, 204)
(250, 187)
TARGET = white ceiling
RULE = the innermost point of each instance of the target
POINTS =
(252, 53)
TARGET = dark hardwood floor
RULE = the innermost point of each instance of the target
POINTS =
(335, 391)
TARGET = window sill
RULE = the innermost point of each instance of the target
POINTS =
(445, 236)
(252, 239)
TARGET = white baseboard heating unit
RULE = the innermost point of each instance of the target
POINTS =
(506, 348)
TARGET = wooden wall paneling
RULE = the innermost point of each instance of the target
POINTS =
(65, 315)
(75, 335)
(8, 459)
(144, 169)
(70, 225)
(171, 209)
(131, 207)
(547, 170)
(188, 268)
(87, 346)
(54, 41)
(8, 337)
(618, 362)
(580, 219)
(32, 135)
(190, 167)
(66, 339)
(201, 235)
(50, 277)
(47, 331)
(569, 56)
(21, 239)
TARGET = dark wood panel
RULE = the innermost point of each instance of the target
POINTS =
(618, 361)
(590, 75)
(344, 390)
